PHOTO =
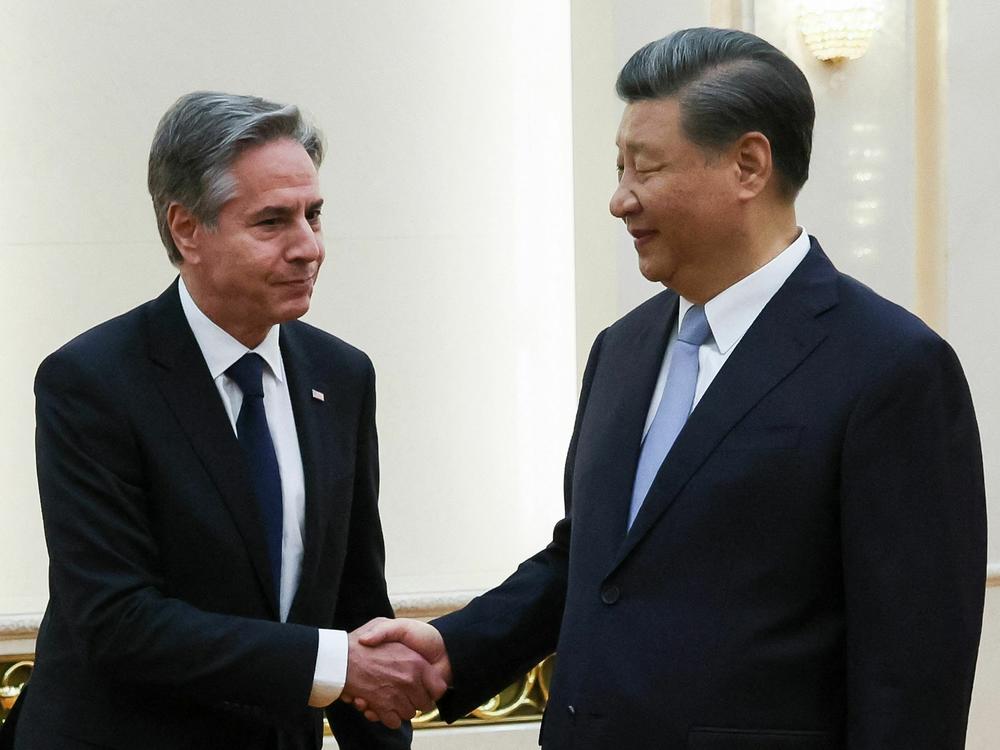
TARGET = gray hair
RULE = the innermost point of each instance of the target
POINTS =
(196, 143)
(729, 83)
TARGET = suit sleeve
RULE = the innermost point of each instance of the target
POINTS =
(363, 595)
(104, 568)
(914, 554)
(505, 632)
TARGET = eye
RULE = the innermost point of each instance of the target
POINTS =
(270, 222)
(621, 171)
(313, 216)
(650, 166)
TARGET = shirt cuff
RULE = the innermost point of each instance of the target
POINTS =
(331, 668)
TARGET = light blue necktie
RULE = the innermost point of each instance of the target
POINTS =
(675, 404)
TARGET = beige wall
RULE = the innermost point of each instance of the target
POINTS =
(448, 227)
(972, 107)
(984, 718)
(972, 112)
(448, 224)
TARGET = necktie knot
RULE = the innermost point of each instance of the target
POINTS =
(247, 372)
(694, 328)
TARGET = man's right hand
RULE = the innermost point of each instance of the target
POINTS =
(410, 635)
(393, 680)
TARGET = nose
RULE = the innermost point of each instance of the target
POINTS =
(306, 242)
(623, 202)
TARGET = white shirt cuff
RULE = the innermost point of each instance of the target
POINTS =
(331, 668)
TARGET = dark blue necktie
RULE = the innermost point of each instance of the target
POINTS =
(255, 439)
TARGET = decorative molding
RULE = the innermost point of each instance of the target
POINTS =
(522, 701)
(19, 626)
(424, 606)
(17, 634)
(12, 678)
(24, 626)
(428, 605)
(993, 575)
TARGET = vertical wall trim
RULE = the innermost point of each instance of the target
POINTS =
(930, 231)
(595, 118)
(731, 14)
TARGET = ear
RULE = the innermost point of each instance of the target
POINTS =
(185, 229)
(752, 152)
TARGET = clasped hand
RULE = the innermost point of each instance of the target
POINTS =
(394, 669)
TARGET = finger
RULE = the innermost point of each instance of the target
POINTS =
(420, 697)
(391, 720)
(361, 704)
(347, 697)
(377, 632)
(371, 625)
(417, 695)
(395, 701)
(371, 716)
(434, 684)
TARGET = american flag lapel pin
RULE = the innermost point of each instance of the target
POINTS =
(318, 395)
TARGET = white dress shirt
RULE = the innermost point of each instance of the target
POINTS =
(730, 314)
(220, 351)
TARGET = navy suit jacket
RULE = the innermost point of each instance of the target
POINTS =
(162, 626)
(807, 570)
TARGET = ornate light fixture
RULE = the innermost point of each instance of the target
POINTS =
(836, 30)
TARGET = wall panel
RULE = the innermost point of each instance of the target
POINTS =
(448, 226)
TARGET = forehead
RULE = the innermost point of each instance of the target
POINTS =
(650, 125)
(272, 168)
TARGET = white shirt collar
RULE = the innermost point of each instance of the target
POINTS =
(219, 348)
(732, 311)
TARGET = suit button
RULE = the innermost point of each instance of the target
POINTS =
(570, 710)
(610, 594)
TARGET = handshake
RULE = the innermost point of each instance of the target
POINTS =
(394, 669)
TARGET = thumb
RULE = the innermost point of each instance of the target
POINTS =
(381, 630)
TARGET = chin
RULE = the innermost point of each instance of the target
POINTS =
(652, 273)
(293, 311)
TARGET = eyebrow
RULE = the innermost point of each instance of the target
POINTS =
(281, 210)
(634, 146)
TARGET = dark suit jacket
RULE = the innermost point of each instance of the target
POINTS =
(807, 571)
(162, 627)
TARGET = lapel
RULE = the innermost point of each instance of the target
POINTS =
(187, 386)
(315, 426)
(784, 334)
(623, 400)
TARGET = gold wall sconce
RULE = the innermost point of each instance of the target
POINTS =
(837, 30)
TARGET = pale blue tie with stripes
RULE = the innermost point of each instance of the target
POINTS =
(675, 404)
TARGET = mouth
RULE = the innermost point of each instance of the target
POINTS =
(305, 283)
(313, 273)
(641, 236)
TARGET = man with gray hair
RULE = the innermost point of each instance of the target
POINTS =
(775, 531)
(208, 473)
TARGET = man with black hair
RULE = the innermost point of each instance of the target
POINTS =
(775, 513)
